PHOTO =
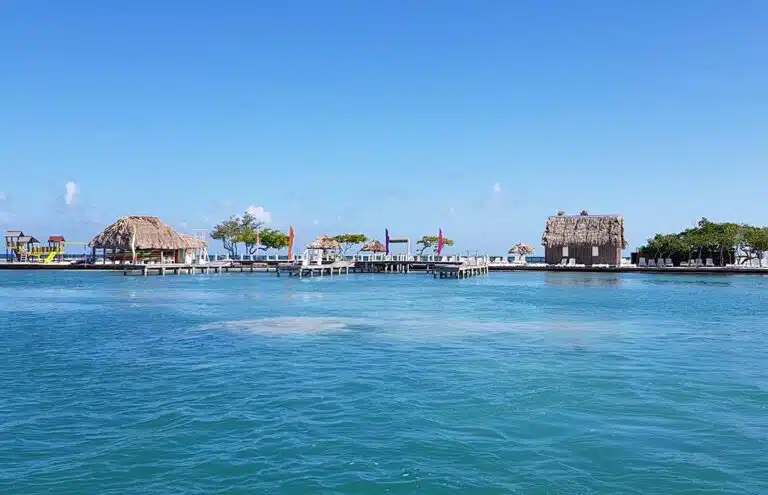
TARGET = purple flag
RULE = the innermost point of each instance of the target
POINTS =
(386, 237)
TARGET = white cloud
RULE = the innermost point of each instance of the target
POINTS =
(315, 222)
(71, 194)
(2, 196)
(497, 188)
(259, 214)
(452, 210)
(183, 225)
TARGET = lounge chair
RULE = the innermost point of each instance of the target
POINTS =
(563, 262)
(668, 263)
(651, 263)
(641, 263)
(710, 263)
(572, 262)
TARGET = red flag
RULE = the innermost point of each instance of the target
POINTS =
(440, 243)
(291, 234)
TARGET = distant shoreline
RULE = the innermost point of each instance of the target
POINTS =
(269, 266)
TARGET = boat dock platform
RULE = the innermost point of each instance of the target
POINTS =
(189, 269)
(308, 270)
(464, 270)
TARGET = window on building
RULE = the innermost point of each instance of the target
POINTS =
(595, 251)
(565, 251)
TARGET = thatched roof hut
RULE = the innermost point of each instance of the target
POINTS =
(584, 239)
(374, 247)
(584, 230)
(324, 243)
(142, 232)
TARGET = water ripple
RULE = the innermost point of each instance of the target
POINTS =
(514, 383)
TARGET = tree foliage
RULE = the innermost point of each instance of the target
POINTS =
(349, 240)
(228, 232)
(430, 242)
(719, 241)
(274, 239)
(247, 230)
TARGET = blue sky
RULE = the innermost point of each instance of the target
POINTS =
(480, 118)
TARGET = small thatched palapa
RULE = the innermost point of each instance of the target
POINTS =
(374, 247)
(589, 239)
(139, 232)
(324, 243)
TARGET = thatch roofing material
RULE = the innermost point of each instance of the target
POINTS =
(143, 233)
(325, 243)
(374, 247)
(588, 230)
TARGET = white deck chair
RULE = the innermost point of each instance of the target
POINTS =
(651, 263)
(564, 262)
(641, 263)
(710, 263)
(572, 262)
(668, 263)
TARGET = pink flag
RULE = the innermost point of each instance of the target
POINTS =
(440, 243)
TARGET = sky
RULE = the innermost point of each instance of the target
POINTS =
(480, 118)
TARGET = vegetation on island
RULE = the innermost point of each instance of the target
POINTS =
(430, 242)
(723, 242)
(249, 232)
(348, 240)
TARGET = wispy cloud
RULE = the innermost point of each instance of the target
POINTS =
(497, 188)
(2, 196)
(316, 222)
(71, 193)
(259, 213)
(452, 210)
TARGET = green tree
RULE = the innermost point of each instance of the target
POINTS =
(273, 239)
(249, 232)
(756, 240)
(228, 232)
(349, 240)
(430, 242)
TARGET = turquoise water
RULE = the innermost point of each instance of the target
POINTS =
(514, 383)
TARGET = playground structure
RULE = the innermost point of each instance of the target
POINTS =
(26, 249)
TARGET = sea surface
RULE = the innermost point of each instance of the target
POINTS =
(367, 384)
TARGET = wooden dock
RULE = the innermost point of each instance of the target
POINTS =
(309, 270)
(186, 269)
(464, 270)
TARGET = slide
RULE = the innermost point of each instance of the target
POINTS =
(50, 257)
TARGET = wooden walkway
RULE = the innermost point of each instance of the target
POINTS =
(184, 269)
(463, 270)
(300, 270)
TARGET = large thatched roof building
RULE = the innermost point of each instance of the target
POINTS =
(589, 239)
(143, 233)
